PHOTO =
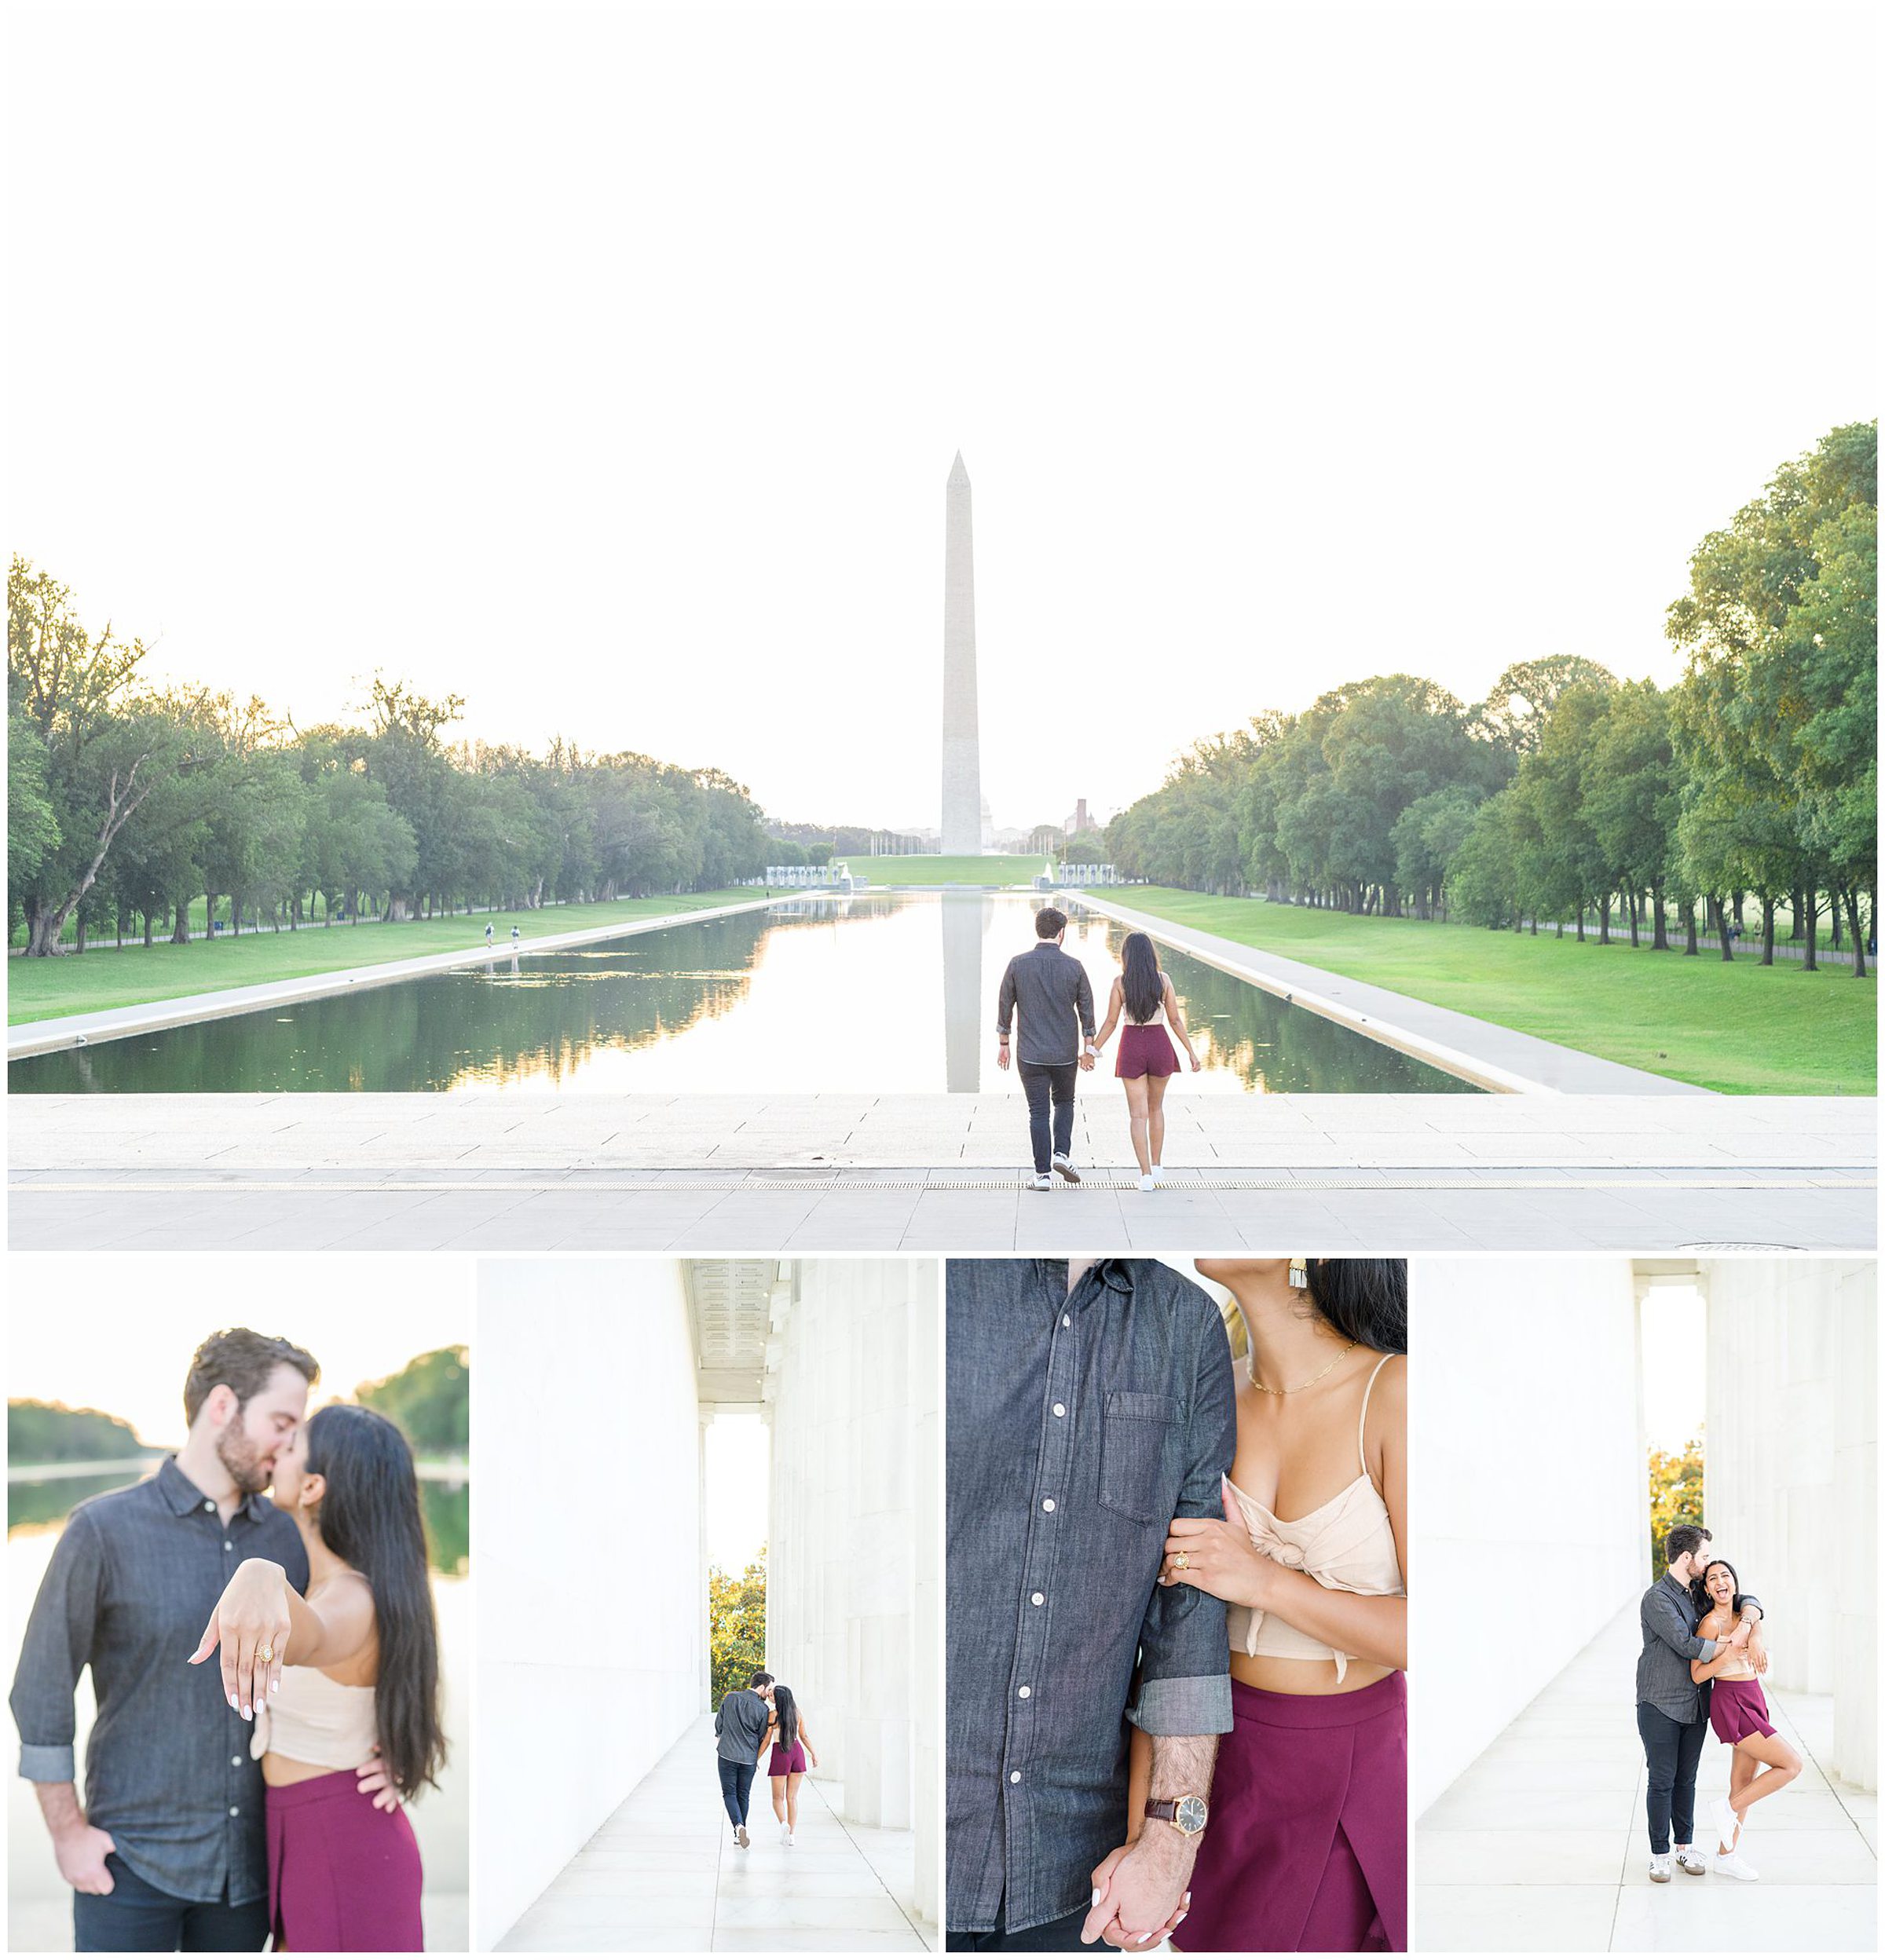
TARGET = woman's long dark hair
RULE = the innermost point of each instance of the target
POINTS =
(1144, 982)
(1698, 1589)
(1364, 1300)
(370, 1516)
(785, 1713)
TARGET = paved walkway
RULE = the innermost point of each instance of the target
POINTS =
(937, 1173)
(70, 1030)
(1540, 1845)
(1481, 1051)
(664, 1875)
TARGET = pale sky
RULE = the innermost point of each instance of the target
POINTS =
(606, 365)
(117, 1333)
(737, 1492)
(1676, 1376)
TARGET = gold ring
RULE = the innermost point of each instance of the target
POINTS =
(265, 1653)
(1181, 1560)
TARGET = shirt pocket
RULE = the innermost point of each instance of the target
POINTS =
(1134, 1447)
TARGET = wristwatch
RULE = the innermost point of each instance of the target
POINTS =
(1188, 1814)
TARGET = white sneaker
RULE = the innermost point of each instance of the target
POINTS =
(1148, 1183)
(791, 1836)
(1064, 1165)
(1041, 1183)
(740, 1836)
(1731, 1864)
(1158, 1173)
(1658, 1867)
(1691, 1862)
(785, 1834)
(1727, 1825)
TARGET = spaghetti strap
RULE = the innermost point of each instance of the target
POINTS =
(1361, 1428)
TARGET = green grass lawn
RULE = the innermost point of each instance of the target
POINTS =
(104, 977)
(1742, 1027)
(946, 871)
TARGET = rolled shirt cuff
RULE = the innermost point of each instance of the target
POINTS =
(48, 1763)
(1710, 1649)
(1192, 1705)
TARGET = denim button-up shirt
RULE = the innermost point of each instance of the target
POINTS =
(167, 1769)
(1080, 1425)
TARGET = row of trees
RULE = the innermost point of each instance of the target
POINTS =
(128, 804)
(1568, 794)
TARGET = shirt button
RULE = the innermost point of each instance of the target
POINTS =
(227, 1546)
(234, 1812)
(209, 1504)
(1024, 1691)
(1040, 1599)
(1066, 1320)
(1059, 1408)
(234, 1762)
(1014, 1775)
(1046, 1504)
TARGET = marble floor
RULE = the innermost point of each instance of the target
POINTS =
(1540, 1845)
(664, 1874)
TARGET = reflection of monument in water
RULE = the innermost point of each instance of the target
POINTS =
(965, 917)
(962, 807)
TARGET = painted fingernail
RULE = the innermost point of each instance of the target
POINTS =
(233, 1702)
(1180, 1920)
(1096, 1898)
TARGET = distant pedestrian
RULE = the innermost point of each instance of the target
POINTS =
(486, 932)
(516, 935)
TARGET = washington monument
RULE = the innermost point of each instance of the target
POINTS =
(962, 727)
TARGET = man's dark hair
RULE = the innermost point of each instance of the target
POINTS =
(760, 1679)
(246, 1361)
(1049, 920)
(1684, 1538)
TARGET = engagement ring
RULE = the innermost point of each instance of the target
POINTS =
(1181, 1559)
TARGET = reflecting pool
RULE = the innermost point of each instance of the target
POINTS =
(889, 993)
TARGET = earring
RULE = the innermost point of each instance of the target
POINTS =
(1299, 1272)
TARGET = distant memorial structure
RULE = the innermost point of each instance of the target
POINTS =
(962, 825)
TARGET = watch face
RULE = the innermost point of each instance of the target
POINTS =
(1191, 1814)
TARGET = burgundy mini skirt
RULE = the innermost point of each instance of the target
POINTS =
(1737, 1710)
(1146, 1051)
(343, 1878)
(787, 1762)
(1306, 1851)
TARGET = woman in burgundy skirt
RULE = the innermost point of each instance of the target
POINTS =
(791, 1751)
(1143, 995)
(1305, 1850)
(349, 1672)
(1738, 1713)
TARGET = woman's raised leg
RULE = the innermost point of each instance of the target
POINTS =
(1137, 1104)
(1779, 1763)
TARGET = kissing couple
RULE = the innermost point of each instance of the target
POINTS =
(763, 1715)
(266, 1677)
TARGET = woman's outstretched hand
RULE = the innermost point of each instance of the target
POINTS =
(250, 1624)
(1216, 1555)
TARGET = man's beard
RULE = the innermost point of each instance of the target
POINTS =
(242, 1459)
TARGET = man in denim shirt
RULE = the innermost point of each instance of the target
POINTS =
(1089, 1404)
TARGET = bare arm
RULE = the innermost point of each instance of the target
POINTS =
(1138, 1889)
(1175, 1014)
(260, 1612)
(1113, 1002)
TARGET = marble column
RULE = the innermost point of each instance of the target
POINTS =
(1792, 1469)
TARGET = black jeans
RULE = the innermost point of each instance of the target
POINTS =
(1672, 1749)
(134, 1916)
(736, 1788)
(1057, 1936)
(1044, 1081)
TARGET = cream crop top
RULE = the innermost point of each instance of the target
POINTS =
(1158, 1019)
(311, 1718)
(1346, 1544)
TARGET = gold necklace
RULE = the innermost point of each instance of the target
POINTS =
(1301, 1385)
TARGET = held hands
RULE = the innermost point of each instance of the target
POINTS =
(251, 1619)
(1139, 1898)
(80, 1853)
(1218, 1558)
